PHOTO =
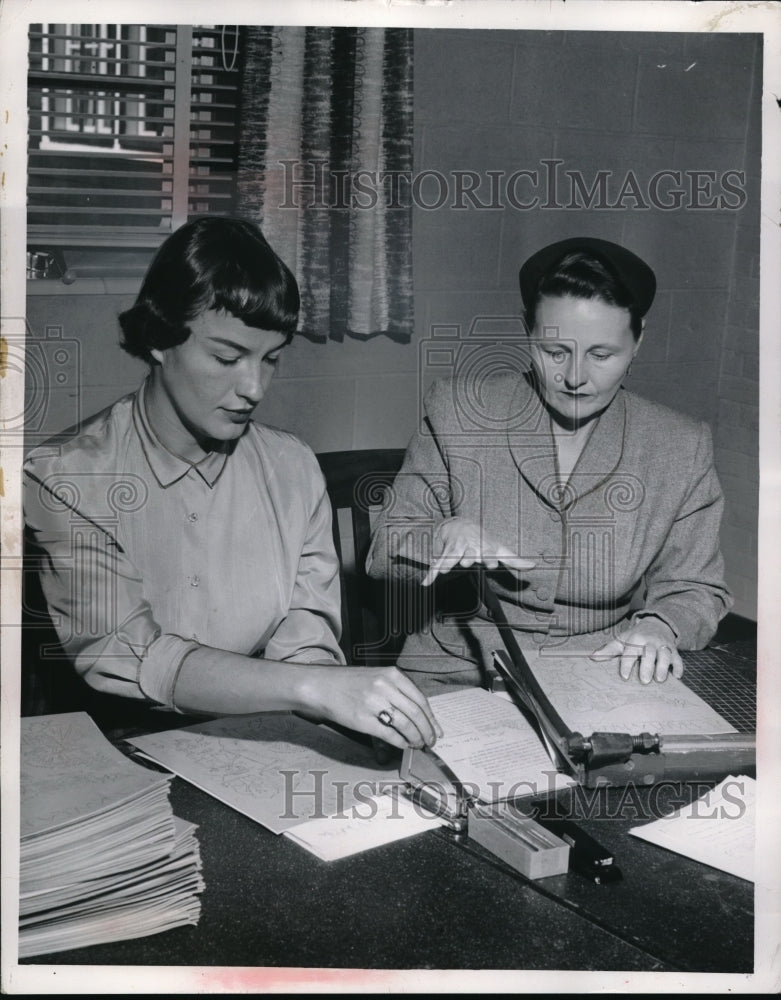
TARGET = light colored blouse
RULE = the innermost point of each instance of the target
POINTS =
(147, 556)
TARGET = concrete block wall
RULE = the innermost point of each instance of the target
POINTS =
(80, 320)
(633, 105)
(737, 422)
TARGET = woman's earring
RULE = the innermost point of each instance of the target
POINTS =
(629, 369)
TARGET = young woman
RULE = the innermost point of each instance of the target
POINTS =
(593, 510)
(188, 550)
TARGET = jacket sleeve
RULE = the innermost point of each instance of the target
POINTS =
(418, 501)
(685, 581)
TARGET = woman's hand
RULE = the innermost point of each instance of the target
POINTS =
(650, 643)
(357, 697)
(464, 543)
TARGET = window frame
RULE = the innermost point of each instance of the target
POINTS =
(191, 99)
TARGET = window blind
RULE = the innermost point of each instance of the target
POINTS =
(132, 130)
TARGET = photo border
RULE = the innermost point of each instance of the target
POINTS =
(612, 15)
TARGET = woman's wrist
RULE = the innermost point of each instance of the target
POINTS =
(655, 623)
(309, 688)
(225, 683)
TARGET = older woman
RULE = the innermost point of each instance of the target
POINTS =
(188, 553)
(593, 510)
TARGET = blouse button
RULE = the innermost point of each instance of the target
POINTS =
(192, 517)
(195, 581)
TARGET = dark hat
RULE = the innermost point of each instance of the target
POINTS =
(633, 273)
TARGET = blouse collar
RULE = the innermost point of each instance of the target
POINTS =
(167, 466)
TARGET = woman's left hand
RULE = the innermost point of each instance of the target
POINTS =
(651, 644)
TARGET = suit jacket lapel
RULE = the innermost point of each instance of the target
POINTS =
(533, 451)
(603, 451)
(531, 444)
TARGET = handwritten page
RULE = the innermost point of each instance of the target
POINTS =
(276, 768)
(381, 820)
(716, 829)
(491, 747)
(590, 695)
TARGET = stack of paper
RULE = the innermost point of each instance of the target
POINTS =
(102, 856)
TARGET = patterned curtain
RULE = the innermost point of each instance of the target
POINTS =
(325, 164)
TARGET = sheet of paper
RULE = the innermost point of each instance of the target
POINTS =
(590, 695)
(276, 768)
(382, 819)
(491, 747)
(716, 829)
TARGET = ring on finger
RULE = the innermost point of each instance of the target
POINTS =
(386, 717)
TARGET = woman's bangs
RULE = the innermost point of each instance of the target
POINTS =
(270, 302)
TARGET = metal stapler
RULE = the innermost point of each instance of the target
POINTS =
(432, 784)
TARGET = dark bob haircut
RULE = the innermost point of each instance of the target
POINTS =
(583, 276)
(210, 263)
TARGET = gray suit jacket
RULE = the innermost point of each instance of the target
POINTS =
(635, 529)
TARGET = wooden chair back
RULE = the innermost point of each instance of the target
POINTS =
(372, 612)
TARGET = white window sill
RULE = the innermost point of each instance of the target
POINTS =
(92, 271)
(84, 286)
